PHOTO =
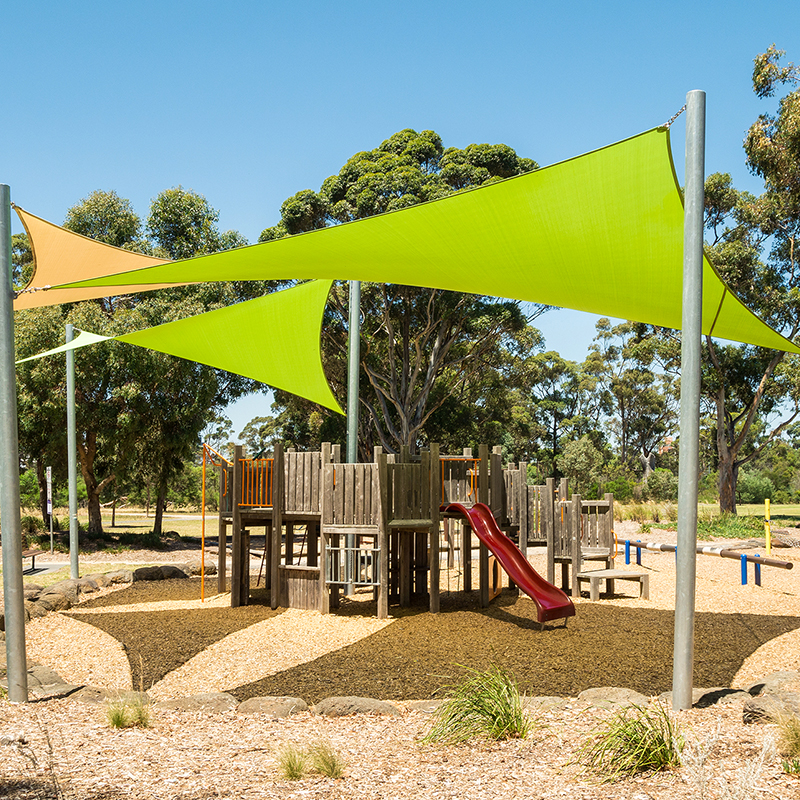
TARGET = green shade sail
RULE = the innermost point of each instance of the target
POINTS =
(601, 233)
(274, 339)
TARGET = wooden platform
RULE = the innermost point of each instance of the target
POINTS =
(609, 576)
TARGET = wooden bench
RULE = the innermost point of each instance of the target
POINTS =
(29, 552)
(609, 576)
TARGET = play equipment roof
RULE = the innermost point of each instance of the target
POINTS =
(602, 233)
(259, 339)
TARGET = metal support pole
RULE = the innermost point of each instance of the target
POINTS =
(72, 463)
(353, 361)
(689, 450)
(13, 592)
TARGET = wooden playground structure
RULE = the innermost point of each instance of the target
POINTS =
(382, 524)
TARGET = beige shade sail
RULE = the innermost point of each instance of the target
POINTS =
(59, 255)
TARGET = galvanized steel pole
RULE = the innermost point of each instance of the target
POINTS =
(353, 361)
(689, 449)
(72, 464)
(13, 592)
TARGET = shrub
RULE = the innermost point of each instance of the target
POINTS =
(754, 487)
(621, 488)
(634, 740)
(662, 485)
(728, 526)
(30, 525)
(486, 703)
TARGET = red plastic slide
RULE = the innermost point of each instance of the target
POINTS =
(551, 602)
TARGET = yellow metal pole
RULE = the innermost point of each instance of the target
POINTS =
(767, 531)
(203, 536)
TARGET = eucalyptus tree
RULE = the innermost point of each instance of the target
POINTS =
(423, 350)
(642, 399)
(756, 246)
(139, 413)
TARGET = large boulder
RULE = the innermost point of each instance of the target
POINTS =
(94, 695)
(148, 574)
(120, 576)
(54, 601)
(613, 697)
(169, 571)
(274, 707)
(344, 706)
(87, 585)
(771, 707)
(69, 588)
(781, 681)
(206, 702)
(100, 578)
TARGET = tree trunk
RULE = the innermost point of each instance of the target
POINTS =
(161, 501)
(86, 452)
(648, 462)
(728, 477)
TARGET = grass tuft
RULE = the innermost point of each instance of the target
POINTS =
(292, 763)
(325, 760)
(486, 704)
(130, 714)
(791, 766)
(789, 735)
(632, 741)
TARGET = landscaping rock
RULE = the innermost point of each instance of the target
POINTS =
(148, 574)
(344, 706)
(194, 568)
(31, 594)
(87, 585)
(169, 571)
(100, 579)
(39, 675)
(424, 706)
(769, 707)
(53, 691)
(34, 587)
(718, 696)
(613, 697)
(120, 576)
(776, 682)
(54, 601)
(36, 609)
(543, 703)
(94, 695)
(68, 588)
(275, 707)
(207, 702)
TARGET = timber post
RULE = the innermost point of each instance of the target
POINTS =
(236, 528)
(277, 524)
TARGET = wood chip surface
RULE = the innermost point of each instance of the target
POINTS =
(162, 636)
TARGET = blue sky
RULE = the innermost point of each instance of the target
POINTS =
(249, 102)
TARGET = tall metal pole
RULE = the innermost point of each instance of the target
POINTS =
(13, 592)
(353, 361)
(689, 448)
(72, 464)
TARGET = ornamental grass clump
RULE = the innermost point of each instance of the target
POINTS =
(325, 760)
(131, 714)
(487, 704)
(292, 763)
(632, 741)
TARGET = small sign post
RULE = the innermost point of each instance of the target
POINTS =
(50, 504)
